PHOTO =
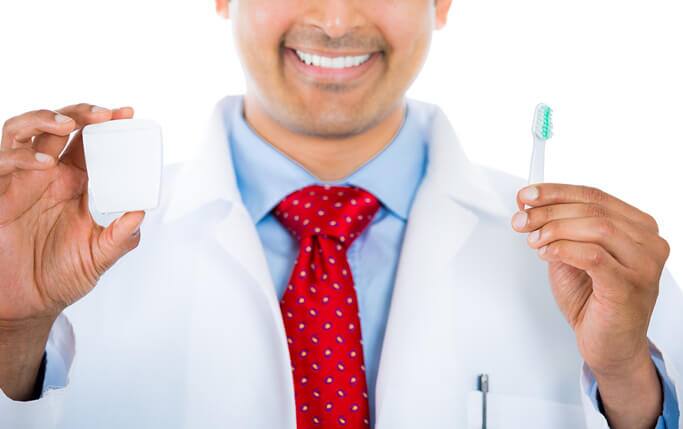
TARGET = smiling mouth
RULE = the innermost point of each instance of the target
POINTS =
(327, 62)
(336, 68)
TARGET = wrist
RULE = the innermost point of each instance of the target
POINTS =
(620, 369)
(22, 345)
(631, 394)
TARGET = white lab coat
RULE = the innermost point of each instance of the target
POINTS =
(185, 332)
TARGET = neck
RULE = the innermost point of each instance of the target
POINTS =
(326, 159)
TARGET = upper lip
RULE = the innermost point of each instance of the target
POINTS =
(330, 54)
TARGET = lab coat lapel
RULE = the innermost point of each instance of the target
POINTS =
(211, 178)
(419, 357)
(206, 192)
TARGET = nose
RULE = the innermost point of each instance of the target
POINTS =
(335, 17)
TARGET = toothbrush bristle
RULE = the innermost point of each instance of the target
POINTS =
(543, 122)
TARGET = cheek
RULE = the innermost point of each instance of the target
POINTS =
(407, 27)
(258, 26)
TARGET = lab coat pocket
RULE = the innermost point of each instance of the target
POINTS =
(522, 412)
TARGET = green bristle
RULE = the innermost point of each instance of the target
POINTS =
(543, 126)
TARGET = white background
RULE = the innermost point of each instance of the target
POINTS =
(611, 69)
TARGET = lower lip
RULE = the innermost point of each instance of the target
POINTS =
(347, 74)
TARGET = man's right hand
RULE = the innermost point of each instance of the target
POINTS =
(52, 252)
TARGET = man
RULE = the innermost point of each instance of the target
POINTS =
(331, 260)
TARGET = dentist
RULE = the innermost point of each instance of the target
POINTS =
(330, 260)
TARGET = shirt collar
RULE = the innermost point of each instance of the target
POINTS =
(265, 175)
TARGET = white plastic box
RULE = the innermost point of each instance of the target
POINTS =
(124, 159)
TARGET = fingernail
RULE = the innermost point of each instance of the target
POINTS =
(43, 157)
(136, 233)
(60, 119)
(529, 194)
(542, 250)
(535, 236)
(96, 109)
(519, 220)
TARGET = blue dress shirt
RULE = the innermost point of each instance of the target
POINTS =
(265, 176)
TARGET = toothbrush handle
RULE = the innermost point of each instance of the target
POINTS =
(537, 161)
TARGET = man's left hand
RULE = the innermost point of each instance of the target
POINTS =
(605, 260)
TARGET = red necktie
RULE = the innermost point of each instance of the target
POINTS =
(319, 306)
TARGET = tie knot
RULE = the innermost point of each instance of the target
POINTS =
(338, 212)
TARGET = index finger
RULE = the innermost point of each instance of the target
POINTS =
(83, 114)
(544, 194)
(20, 130)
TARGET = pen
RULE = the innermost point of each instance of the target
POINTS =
(484, 389)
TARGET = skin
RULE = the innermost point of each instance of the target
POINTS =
(605, 257)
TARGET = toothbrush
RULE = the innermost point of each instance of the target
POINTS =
(542, 130)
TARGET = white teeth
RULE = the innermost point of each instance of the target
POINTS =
(331, 63)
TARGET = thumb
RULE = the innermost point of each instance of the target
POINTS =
(119, 238)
